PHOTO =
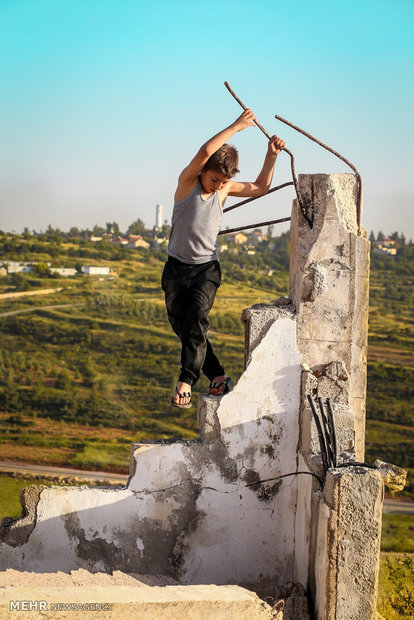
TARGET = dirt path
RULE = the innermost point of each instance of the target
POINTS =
(43, 291)
(377, 353)
(53, 307)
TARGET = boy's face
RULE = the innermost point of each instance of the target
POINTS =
(213, 181)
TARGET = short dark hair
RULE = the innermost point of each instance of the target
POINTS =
(224, 160)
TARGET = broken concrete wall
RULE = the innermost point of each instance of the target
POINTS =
(245, 504)
(329, 277)
(217, 511)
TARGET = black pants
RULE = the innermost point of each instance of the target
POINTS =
(190, 291)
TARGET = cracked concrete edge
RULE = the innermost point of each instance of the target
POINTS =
(353, 497)
(151, 603)
(16, 532)
(208, 421)
(259, 318)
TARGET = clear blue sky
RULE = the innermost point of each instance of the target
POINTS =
(103, 102)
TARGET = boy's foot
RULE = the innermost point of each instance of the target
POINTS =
(182, 395)
(220, 386)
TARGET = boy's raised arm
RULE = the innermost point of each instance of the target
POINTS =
(261, 185)
(189, 175)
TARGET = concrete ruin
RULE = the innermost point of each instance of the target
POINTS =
(250, 504)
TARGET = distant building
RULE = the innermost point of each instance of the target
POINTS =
(18, 267)
(137, 241)
(386, 247)
(64, 271)
(256, 237)
(119, 241)
(91, 270)
(158, 217)
(237, 237)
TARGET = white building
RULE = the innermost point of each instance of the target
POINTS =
(64, 271)
(18, 267)
(136, 241)
(158, 217)
(91, 270)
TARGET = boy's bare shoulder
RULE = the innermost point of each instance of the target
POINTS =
(185, 186)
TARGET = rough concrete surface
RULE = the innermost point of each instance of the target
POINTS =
(100, 596)
(103, 596)
(329, 279)
(349, 542)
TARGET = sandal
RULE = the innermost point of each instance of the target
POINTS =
(227, 387)
(182, 395)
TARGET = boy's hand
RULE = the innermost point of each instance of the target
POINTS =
(275, 145)
(245, 120)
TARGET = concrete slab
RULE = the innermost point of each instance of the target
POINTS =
(87, 595)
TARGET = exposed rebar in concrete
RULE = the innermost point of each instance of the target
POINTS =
(232, 230)
(331, 150)
(308, 218)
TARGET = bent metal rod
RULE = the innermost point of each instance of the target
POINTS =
(243, 202)
(303, 209)
(331, 150)
(232, 230)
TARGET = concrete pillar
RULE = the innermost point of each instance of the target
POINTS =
(345, 578)
(329, 278)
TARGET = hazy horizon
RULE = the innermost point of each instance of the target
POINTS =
(103, 103)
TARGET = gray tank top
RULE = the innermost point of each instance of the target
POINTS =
(194, 227)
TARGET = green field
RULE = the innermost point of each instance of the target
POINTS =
(91, 366)
(396, 586)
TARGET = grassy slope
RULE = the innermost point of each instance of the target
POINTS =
(109, 358)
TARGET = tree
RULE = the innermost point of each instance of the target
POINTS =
(112, 228)
(42, 270)
(136, 228)
(165, 230)
(98, 231)
(380, 236)
(372, 237)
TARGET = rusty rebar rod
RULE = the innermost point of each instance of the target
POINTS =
(240, 102)
(244, 202)
(331, 150)
(328, 438)
(322, 444)
(292, 159)
(227, 231)
(332, 430)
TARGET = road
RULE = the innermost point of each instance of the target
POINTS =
(8, 466)
(398, 506)
(393, 506)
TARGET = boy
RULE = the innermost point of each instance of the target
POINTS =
(192, 273)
